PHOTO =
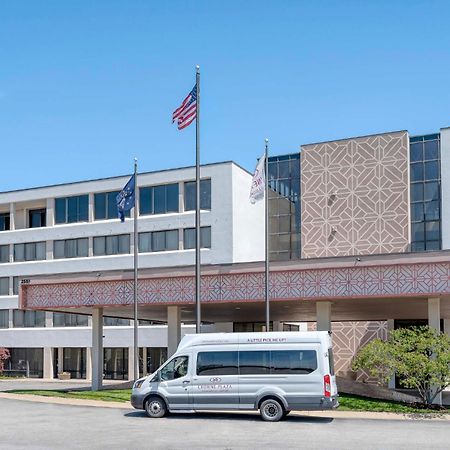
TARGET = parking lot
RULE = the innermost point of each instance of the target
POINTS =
(31, 425)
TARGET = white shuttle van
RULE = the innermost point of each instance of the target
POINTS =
(274, 372)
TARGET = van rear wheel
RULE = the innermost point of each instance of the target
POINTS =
(155, 407)
(271, 410)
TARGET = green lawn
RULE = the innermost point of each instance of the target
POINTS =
(347, 402)
(113, 395)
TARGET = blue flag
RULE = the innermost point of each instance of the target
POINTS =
(125, 198)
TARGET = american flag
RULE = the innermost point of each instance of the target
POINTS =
(187, 112)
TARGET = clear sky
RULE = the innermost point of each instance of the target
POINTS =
(87, 85)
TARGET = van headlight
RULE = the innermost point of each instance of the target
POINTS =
(138, 383)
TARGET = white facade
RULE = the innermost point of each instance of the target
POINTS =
(237, 234)
(445, 186)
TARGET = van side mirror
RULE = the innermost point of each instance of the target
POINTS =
(157, 377)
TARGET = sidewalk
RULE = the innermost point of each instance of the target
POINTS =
(364, 415)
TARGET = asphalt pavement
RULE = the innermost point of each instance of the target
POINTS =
(32, 425)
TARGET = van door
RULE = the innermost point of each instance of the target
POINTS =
(175, 378)
(215, 380)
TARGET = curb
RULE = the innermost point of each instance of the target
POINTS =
(359, 415)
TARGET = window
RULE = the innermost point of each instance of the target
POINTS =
(115, 322)
(158, 199)
(105, 206)
(284, 207)
(217, 363)
(69, 320)
(15, 285)
(254, 363)
(72, 209)
(37, 218)
(190, 194)
(4, 286)
(425, 193)
(4, 253)
(331, 361)
(28, 319)
(4, 221)
(295, 362)
(176, 368)
(31, 251)
(4, 318)
(158, 241)
(112, 245)
(71, 248)
(189, 238)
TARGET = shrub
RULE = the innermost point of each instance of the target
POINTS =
(4, 356)
(420, 356)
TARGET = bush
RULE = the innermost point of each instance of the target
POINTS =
(4, 356)
(420, 356)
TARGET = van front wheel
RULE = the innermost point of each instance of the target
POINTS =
(271, 410)
(155, 407)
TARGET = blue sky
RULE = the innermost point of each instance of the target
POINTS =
(87, 85)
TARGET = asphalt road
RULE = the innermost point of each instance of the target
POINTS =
(33, 425)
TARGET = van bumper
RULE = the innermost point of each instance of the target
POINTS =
(330, 402)
(137, 401)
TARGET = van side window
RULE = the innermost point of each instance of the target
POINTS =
(176, 368)
(217, 363)
(293, 361)
(254, 363)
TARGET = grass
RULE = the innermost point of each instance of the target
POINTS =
(354, 403)
(113, 395)
(347, 402)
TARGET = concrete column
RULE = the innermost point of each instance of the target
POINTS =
(11, 318)
(50, 212)
(88, 363)
(48, 362)
(277, 325)
(144, 361)
(173, 329)
(48, 319)
(11, 286)
(12, 216)
(181, 196)
(390, 327)
(49, 249)
(434, 321)
(323, 316)
(97, 349)
(60, 363)
(131, 363)
(447, 326)
(90, 246)
(91, 207)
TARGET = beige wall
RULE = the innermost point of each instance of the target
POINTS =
(355, 196)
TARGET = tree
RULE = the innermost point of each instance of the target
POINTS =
(419, 356)
(4, 356)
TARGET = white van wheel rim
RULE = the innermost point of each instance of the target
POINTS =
(154, 407)
(271, 410)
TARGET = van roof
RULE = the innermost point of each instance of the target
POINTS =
(273, 337)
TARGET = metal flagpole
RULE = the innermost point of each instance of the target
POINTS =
(135, 286)
(197, 205)
(266, 228)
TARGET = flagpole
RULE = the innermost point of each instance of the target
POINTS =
(266, 230)
(135, 286)
(197, 206)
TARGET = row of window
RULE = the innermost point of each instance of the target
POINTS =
(33, 319)
(161, 199)
(155, 241)
(260, 362)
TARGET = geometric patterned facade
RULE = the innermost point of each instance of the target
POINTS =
(387, 280)
(355, 196)
(348, 338)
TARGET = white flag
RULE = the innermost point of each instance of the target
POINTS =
(258, 181)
